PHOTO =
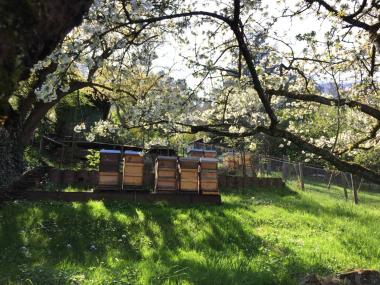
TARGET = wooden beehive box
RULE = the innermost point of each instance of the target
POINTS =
(195, 152)
(133, 170)
(210, 153)
(231, 160)
(166, 174)
(246, 161)
(109, 174)
(209, 176)
(188, 170)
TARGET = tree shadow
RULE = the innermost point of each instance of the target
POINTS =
(165, 243)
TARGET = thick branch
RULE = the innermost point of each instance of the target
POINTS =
(41, 108)
(300, 143)
(371, 111)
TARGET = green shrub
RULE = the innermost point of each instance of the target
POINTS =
(93, 159)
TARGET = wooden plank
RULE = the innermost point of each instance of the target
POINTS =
(166, 183)
(133, 180)
(210, 166)
(209, 175)
(133, 171)
(134, 164)
(108, 180)
(128, 196)
(208, 186)
(210, 154)
(133, 159)
(189, 186)
(166, 173)
(167, 164)
(189, 175)
(215, 193)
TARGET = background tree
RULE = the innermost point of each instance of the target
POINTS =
(287, 80)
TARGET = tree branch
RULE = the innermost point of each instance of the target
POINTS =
(371, 111)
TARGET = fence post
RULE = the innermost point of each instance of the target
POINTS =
(344, 185)
(356, 198)
(284, 169)
(300, 166)
(330, 180)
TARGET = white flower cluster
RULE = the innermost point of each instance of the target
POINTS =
(80, 128)
(102, 129)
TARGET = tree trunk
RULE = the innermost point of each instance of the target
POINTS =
(11, 154)
(29, 31)
(354, 190)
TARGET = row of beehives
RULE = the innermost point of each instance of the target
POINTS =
(188, 174)
(234, 161)
(117, 169)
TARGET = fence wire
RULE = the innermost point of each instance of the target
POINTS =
(308, 177)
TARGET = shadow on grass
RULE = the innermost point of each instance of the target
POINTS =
(276, 191)
(51, 243)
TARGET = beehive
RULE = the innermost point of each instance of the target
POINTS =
(133, 169)
(208, 176)
(109, 174)
(209, 153)
(247, 162)
(166, 174)
(231, 160)
(188, 174)
(195, 152)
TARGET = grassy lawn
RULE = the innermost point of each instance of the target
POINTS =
(260, 237)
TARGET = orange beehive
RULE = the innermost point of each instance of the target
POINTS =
(195, 152)
(133, 169)
(166, 174)
(231, 160)
(188, 174)
(109, 174)
(208, 176)
(246, 161)
(210, 153)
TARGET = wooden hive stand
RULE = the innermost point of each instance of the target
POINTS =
(166, 175)
(109, 170)
(209, 176)
(188, 172)
(133, 170)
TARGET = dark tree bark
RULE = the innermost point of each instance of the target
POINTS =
(29, 31)
(16, 134)
(11, 153)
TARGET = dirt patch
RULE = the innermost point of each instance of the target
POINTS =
(354, 277)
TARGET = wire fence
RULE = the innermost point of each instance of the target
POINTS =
(307, 177)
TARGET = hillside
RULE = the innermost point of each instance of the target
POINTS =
(262, 237)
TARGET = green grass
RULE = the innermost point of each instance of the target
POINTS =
(259, 237)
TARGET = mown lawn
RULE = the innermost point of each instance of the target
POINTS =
(260, 237)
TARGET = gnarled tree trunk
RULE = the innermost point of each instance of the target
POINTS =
(11, 155)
